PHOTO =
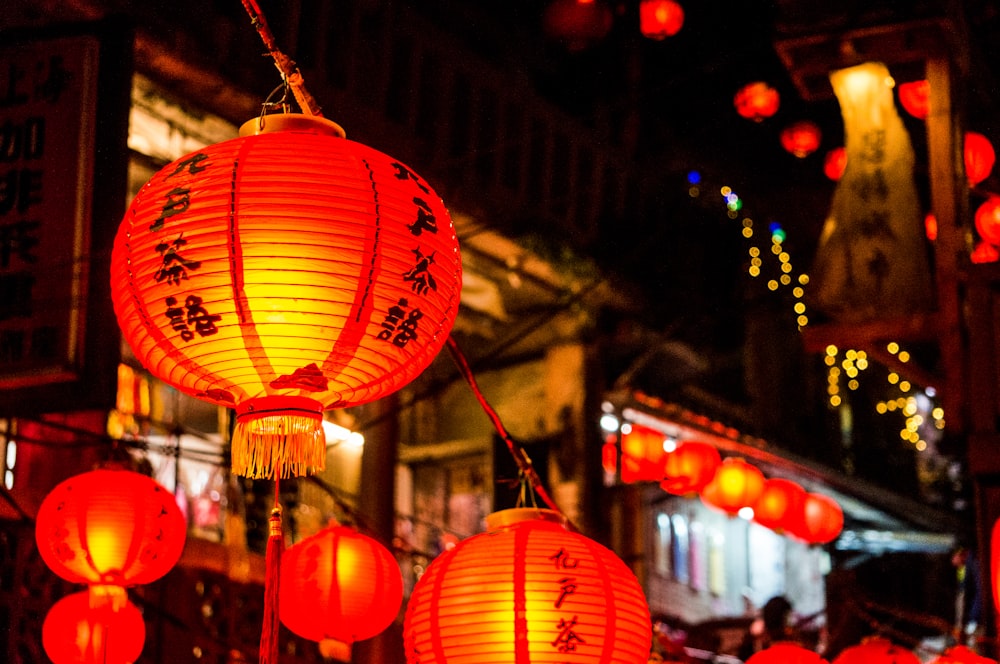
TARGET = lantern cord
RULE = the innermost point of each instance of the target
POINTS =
(521, 458)
(272, 574)
(288, 68)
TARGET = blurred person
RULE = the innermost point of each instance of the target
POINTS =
(773, 626)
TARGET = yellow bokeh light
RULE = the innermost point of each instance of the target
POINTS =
(881, 408)
(831, 350)
(754, 271)
(785, 280)
(852, 384)
(694, 192)
(893, 378)
(904, 386)
(862, 363)
(784, 257)
(725, 191)
(786, 267)
(803, 279)
(747, 222)
(798, 292)
(835, 400)
(937, 413)
(830, 360)
(748, 232)
(772, 285)
(754, 251)
(776, 248)
(921, 446)
(799, 308)
(892, 347)
(903, 356)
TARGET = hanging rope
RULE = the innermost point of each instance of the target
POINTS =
(272, 574)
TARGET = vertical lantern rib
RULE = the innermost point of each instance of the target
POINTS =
(522, 645)
(434, 623)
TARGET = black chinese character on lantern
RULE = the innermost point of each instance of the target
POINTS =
(193, 313)
(425, 221)
(567, 639)
(178, 201)
(563, 561)
(403, 173)
(192, 165)
(567, 586)
(419, 276)
(400, 325)
(175, 266)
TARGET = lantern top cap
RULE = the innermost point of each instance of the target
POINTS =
(514, 516)
(299, 122)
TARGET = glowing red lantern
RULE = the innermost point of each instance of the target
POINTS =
(801, 138)
(528, 590)
(689, 467)
(74, 632)
(835, 163)
(780, 505)
(578, 24)
(962, 655)
(931, 226)
(113, 528)
(659, 19)
(756, 101)
(822, 520)
(915, 97)
(785, 653)
(979, 157)
(988, 220)
(339, 585)
(283, 273)
(642, 454)
(736, 485)
(876, 650)
(984, 253)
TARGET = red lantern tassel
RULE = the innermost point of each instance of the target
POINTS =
(278, 436)
(272, 575)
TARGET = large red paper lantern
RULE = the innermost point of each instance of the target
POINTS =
(339, 585)
(689, 467)
(915, 96)
(74, 632)
(578, 24)
(642, 454)
(756, 101)
(801, 138)
(528, 591)
(282, 273)
(785, 653)
(112, 528)
(736, 485)
(987, 220)
(780, 505)
(876, 650)
(962, 655)
(822, 519)
(659, 19)
(979, 157)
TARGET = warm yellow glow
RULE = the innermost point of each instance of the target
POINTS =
(834, 400)
(893, 378)
(754, 271)
(903, 356)
(784, 257)
(754, 251)
(852, 385)
(858, 80)
(799, 308)
(803, 279)
(921, 446)
(772, 285)
(798, 292)
(937, 413)
(756, 262)
(892, 347)
(904, 386)
(831, 350)
(881, 408)
(748, 232)
(862, 363)
(830, 360)
(748, 223)
(776, 248)
(851, 371)
(785, 280)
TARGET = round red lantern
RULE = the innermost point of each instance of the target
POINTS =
(822, 520)
(339, 585)
(578, 24)
(689, 467)
(74, 632)
(282, 273)
(931, 226)
(110, 527)
(915, 97)
(876, 650)
(785, 653)
(736, 485)
(835, 163)
(642, 454)
(659, 19)
(979, 157)
(962, 655)
(984, 253)
(801, 138)
(528, 591)
(756, 101)
(780, 505)
(987, 220)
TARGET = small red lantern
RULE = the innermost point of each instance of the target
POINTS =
(659, 19)
(736, 485)
(579, 24)
(822, 520)
(74, 632)
(915, 97)
(979, 157)
(339, 585)
(282, 273)
(642, 454)
(528, 590)
(962, 655)
(988, 220)
(835, 163)
(876, 650)
(984, 253)
(801, 138)
(113, 528)
(780, 505)
(756, 101)
(931, 226)
(785, 653)
(689, 467)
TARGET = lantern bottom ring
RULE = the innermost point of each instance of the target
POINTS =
(278, 436)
